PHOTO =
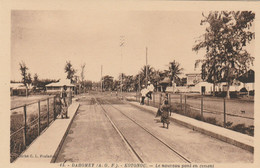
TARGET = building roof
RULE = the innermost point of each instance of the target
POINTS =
(17, 86)
(60, 83)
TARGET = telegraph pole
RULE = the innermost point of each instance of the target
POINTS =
(101, 78)
(122, 43)
(139, 84)
(146, 68)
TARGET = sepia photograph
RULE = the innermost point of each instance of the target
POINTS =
(126, 87)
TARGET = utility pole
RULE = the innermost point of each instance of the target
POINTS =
(122, 43)
(139, 84)
(101, 78)
(146, 68)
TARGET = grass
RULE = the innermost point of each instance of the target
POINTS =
(21, 100)
(178, 108)
(17, 122)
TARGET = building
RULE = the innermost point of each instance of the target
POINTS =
(17, 89)
(57, 86)
(193, 78)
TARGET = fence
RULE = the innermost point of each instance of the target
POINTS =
(30, 120)
(230, 113)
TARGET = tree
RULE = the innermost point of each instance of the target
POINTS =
(35, 80)
(82, 75)
(70, 71)
(87, 84)
(210, 70)
(150, 74)
(116, 85)
(129, 83)
(43, 82)
(174, 70)
(107, 82)
(23, 69)
(29, 79)
(225, 40)
(82, 72)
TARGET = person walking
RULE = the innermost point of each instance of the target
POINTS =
(163, 110)
(165, 107)
(164, 102)
(144, 92)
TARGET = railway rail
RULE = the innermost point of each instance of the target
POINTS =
(130, 147)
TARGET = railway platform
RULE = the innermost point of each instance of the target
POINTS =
(43, 149)
(232, 137)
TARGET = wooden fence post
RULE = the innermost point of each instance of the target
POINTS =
(39, 118)
(54, 109)
(48, 113)
(25, 125)
(153, 99)
(181, 101)
(160, 101)
(201, 106)
(224, 113)
(70, 98)
(185, 97)
(60, 109)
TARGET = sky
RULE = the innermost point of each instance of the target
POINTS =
(45, 40)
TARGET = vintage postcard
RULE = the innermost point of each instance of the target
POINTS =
(152, 84)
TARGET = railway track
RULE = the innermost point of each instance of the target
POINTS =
(128, 144)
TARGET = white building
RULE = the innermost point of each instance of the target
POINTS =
(57, 86)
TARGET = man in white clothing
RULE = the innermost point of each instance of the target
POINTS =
(150, 89)
(144, 92)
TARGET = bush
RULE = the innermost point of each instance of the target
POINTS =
(199, 117)
(211, 120)
(243, 129)
(240, 128)
(250, 130)
(251, 92)
(229, 124)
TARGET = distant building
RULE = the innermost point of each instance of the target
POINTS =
(57, 86)
(17, 89)
(193, 78)
(195, 84)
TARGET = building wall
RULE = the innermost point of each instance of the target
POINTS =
(193, 79)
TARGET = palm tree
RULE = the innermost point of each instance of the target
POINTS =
(150, 74)
(174, 70)
(70, 71)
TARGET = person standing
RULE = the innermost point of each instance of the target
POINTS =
(144, 92)
(64, 110)
(150, 88)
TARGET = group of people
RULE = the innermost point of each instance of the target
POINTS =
(163, 110)
(147, 92)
